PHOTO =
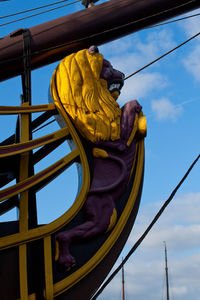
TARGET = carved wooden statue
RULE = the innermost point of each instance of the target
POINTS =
(88, 86)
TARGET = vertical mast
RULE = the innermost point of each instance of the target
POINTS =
(123, 288)
(166, 272)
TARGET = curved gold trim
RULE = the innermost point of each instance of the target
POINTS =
(134, 130)
(41, 231)
(72, 279)
(136, 150)
(46, 230)
(33, 180)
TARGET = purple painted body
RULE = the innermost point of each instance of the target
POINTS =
(108, 184)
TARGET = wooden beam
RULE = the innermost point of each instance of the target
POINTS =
(94, 26)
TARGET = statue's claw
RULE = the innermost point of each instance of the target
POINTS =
(67, 261)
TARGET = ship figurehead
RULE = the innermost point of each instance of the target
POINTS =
(86, 87)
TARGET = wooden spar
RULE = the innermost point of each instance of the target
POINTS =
(123, 288)
(94, 26)
(166, 272)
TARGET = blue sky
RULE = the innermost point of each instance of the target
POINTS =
(169, 93)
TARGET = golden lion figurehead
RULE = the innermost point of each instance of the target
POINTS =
(76, 82)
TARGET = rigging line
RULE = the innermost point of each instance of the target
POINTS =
(43, 6)
(40, 13)
(139, 241)
(32, 9)
(163, 55)
(43, 126)
(95, 34)
(173, 21)
(113, 29)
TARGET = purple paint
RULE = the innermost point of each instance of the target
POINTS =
(109, 182)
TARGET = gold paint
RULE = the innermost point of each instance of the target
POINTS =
(23, 279)
(48, 269)
(142, 126)
(84, 95)
(30, 297)
(56, 250)
(10, 110)
(75, 277)
(133, 166)
(23, 205)
(41, 231)
(23, 186)
(99, 153)
(115, 95)
(60, 222)
(134, 130)
(113, 220)
(36, 143)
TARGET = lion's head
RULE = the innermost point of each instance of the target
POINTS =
(88, 86)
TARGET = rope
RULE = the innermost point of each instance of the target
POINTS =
(43, 125)
(173, 21)
(163, 55)
(32, 9)
(43, 6)
(40, 13)
(139, 241)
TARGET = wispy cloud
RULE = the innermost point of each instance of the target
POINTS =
(141, 85)
(164, 109)
(191, 26)
(130, 54)
(192, 62)
(156, 43)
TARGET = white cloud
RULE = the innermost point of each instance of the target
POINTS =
(130, 54)
(118, 47)
(191, 26)
(192, 62)
(179, 291)
(157, 41)
(140, 85)
(179, 223)
(128, 63)
(145, 271)
(164, 109)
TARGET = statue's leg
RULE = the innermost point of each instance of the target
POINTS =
(66, 237)
(99, 210)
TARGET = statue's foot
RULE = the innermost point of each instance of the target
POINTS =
(67, 261)
(63, 256)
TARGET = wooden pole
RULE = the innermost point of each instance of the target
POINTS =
(166, 272)
(123, 285)
(97, 25)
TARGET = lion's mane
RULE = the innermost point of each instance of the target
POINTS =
(77, 84)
